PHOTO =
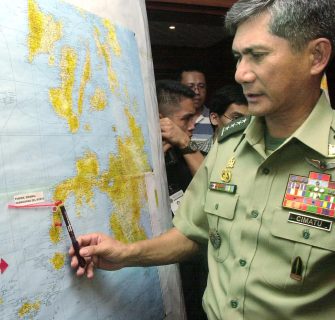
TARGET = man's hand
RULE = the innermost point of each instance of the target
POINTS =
(99, 251)
(166, 146)
(173, 134)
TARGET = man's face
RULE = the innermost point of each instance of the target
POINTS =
(184, 117)
(233, 112)
(273, 77)
(197, 82)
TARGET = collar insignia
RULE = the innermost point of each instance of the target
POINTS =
(235, 126)
(321, 164)
(331, 150)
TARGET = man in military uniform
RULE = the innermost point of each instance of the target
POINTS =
(265, 195)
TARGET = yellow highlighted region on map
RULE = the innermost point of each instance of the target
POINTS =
(99, 100)
(82, 185)
(104, 52)
(61, 98)
(28, 308)
(44, 31)
(55, 229)
(86, 76)
(58, 260)
(123, 182)
(112, 39)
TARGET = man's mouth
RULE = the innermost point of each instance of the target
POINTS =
(252, 97)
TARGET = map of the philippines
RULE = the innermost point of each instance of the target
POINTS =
(73, 127)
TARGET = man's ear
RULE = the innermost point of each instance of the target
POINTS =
(320, 55)
(213, 117)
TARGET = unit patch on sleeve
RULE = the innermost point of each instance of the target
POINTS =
(313, 194)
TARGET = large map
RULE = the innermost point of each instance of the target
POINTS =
(73, 128)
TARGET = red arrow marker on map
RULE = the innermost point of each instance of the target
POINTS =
(3, 266)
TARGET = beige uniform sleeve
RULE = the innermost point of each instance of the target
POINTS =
(191, 219)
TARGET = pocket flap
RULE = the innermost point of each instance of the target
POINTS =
(221, 204)
(306, 234)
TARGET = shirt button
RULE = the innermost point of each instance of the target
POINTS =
(266, 170)
(242, 263)
(306, 234)
(216, 206)
(234, 304)
(254, 213)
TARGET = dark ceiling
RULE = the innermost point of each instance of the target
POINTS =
(197, 26)
(198, 39)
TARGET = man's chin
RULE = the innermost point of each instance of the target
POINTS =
(197, 104)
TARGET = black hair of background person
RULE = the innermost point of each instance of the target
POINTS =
(190, 68)
(224, 97)
(171, 92)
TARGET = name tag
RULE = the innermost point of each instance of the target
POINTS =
(310, 221)
(175, 200)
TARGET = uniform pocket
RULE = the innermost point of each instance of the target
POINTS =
(220, 208)
(290, 241)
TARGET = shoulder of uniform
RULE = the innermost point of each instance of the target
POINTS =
(237, 125)
(332, 126)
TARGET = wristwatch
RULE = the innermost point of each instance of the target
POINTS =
(190, 148)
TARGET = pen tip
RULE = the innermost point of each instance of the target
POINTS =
(58, 203)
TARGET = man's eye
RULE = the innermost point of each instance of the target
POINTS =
(237, 57)
(237, 116)
(258, 55)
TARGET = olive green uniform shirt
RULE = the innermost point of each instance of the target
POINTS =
(252, 245)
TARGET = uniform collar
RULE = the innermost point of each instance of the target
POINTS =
(314, 132)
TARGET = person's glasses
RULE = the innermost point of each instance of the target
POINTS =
(234, 117)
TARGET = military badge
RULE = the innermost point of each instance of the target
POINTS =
(215, 238)
(226, 174)
(321, 164)
(331, 150)
(313, 194)
(223, 187)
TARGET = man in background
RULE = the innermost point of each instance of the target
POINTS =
(177, 119)
(195, 79)
(226, 105)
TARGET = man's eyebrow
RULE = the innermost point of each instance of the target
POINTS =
(250, 49)
(187, 115)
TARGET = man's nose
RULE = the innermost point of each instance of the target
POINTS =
(191, 125)
(244, 73)
(196, 90)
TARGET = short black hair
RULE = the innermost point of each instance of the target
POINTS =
(170, 93)
(189, 68)
(224, 97)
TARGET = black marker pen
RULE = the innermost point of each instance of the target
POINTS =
(74, 241)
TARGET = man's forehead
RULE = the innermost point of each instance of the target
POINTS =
(187, 105)
(193, 77)
(252, 33)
